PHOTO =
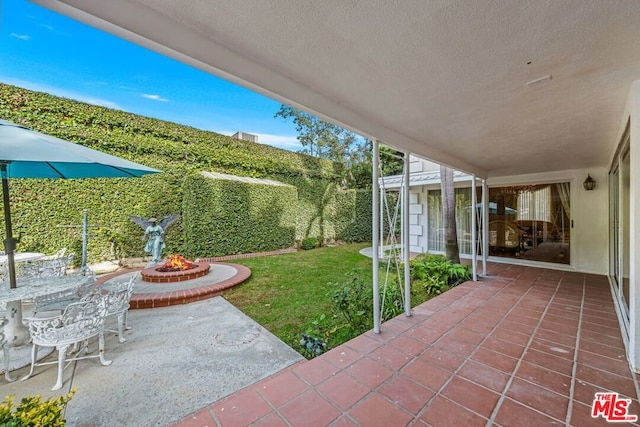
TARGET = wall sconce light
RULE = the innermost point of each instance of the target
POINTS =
(589, 183)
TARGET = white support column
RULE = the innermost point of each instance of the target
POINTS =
(382, 201)
(634, 229)
(485, 225)
(474, 222)
(405, 236)
(376, 238)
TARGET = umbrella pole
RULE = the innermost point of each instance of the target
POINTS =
(9, 241)
(15, 332)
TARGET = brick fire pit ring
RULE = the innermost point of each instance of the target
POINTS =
(152, 274)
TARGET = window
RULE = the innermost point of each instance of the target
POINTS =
(530, 222)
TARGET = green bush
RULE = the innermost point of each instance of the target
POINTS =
(222, 217)
(436, 274)
(33, 412)
(40, 207)
(309, 243)
(352, 314)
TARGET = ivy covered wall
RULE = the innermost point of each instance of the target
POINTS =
(223, 217)
(43, 208)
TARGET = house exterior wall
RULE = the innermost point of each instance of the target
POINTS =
(632, 116)
(589, 212)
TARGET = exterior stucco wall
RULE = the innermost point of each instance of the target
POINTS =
(589, 212)
(632, 115)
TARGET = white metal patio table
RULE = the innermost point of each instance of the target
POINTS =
(16, 333)
(22, 257)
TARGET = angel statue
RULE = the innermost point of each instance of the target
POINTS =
(155, 232)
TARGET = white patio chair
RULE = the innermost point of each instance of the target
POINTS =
(57, 255)
(78, 322)
(46, 267)
(60, 301)
(118, 297)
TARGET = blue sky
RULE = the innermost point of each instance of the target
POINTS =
(44, 51)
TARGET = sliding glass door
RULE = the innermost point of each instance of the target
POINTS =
(531, 222)
(620, 226)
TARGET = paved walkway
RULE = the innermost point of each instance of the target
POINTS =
(176, 360)
(523, 347)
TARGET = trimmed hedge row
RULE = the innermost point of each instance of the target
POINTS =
(224, 217)
(41, 208)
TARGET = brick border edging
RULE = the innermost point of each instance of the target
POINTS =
(183, 296)
(249, 255)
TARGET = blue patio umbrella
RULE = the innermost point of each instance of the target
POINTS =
(25, 153)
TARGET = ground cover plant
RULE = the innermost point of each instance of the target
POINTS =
(316, 300)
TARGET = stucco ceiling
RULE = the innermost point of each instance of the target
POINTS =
(444, 79)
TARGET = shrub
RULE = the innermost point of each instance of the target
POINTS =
(436, 274)
(32, 411)
(309, 243)
(312, 347)
(352, 315)
(223, 217)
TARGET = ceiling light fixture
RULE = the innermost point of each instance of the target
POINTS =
(541, 80)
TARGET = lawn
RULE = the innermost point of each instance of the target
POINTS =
(286, 293)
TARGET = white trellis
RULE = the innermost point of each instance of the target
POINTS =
(385, 244)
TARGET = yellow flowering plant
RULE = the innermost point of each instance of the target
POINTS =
(32, 411)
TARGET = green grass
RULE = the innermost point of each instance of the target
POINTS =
(287, 292)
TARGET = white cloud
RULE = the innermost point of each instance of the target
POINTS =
(23, 37)
(154, 97)
(38, 87)
(47, 27)
(285, 142)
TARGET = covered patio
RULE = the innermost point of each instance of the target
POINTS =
(523, 346)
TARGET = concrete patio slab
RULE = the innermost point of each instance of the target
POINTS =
(177, 359)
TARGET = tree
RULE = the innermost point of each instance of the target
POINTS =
(353, 153)
(319, 138)
(452, 251)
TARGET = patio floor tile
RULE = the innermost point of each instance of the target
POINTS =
(406, 393)
(282, 388)
(472, 396)
(343, 390)
(342, 356)
(390, 357)
(515, 414)
(426, 374)
(315, 371)
(443, 358)
(199, 419)
(375, 410)
(310, 409)
(369, 372)
(498, 361)
(549, 361)
(241, 408)
(545, 378)
(271, 420)
(504, 347)
(500, 352)
(615, 366)
(484, 375)
(446, 413)
(538, 398)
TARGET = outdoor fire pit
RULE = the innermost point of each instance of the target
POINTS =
(176, 269)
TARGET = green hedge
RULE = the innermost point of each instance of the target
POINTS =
(40, 207)
(223, 217)
(352, 215)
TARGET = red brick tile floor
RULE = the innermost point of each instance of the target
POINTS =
(521, 347)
